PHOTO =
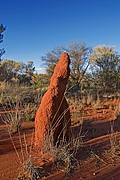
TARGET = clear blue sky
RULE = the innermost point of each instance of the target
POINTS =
(35, 27)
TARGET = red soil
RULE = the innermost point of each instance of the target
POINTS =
(94, 160)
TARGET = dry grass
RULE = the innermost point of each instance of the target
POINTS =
(63, 154)
(12, 116)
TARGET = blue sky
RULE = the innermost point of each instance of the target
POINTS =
(35, 27)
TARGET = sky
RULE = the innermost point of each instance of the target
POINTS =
(34, 27)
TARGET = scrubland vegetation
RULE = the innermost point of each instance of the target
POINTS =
(93, 93)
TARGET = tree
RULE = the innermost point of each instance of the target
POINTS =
(2, 29)
(26, 76)
(29, 69)
(51, 58)
(12, 71)
(79, 62)
(78, 53)
(106, 69)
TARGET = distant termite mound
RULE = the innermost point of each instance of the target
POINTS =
(53, 115)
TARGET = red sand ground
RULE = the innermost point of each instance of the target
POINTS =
(94, 160)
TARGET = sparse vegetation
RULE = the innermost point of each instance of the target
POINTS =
(93, 102)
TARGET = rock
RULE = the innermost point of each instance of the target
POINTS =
(53, 114)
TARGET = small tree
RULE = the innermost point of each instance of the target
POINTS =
(79, 62)
(2, 29)
(28, 73)
(106, 69)
(78, 53)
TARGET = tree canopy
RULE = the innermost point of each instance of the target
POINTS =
(102, 60)
(78, 53)
(106, 70)
(12, 71)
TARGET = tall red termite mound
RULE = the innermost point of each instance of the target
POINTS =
(53, 114)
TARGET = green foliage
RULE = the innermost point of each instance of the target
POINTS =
(16, 72)
(40, 81)
(29, 69)
(2, 29)
(14, 93)
(106, 70)
(103, 62)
